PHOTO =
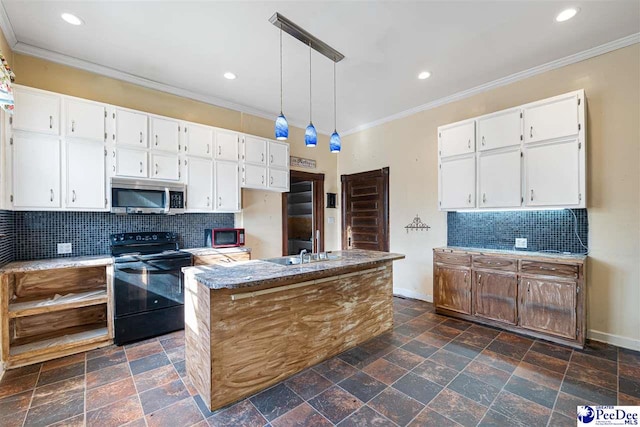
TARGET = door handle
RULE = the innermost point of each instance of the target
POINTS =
(219, 150)
(156, 169)
(208, 201)
(484, 198)
(531, 132)
(483, 141)
(73, 125)
(271, 180)
(140, 137)
(50, 122)
(156, 140)
(469, 199)
(532, 194)
(73, 196)
(51, 195)
(140, 167)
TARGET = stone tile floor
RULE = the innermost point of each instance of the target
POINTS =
(430, 371)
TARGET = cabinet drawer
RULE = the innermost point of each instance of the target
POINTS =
(495, 263)
(549, 269)
(449, 258)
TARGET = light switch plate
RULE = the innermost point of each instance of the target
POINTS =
(521, 243)
(64, 248)
(331, 220)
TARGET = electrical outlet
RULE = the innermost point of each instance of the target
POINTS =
(64, 248)
(331, 220)
(521, 243)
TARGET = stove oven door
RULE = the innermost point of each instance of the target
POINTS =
(141, 286)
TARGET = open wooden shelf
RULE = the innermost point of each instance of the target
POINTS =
(49, 305)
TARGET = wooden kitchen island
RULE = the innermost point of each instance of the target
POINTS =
(252, 324)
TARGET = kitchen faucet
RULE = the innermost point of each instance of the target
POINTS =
(302, 253)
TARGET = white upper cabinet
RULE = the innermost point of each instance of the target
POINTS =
(85, 175)
(131, 128)
(132, 163)
(36, 111)
(278, 155)
(458, 138)
(278, 180)
(254, 150)
(499, 178)
(458, 183)
(165, 134)
(198, 140)
(553, 174)
(503, 129)
(254, 176)
(552, 118)
(165, 166)
(227, 146)
(36, 171)
(85, 119)
(227, 190)
(199, 184)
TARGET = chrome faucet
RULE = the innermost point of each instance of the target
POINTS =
(302, 253)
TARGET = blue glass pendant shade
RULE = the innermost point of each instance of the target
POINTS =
(311, 136)
(282, 127)
(335, 144)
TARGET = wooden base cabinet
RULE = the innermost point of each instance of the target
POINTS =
(540, 296)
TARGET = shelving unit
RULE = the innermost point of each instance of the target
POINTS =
(300, 217)
(51, 313)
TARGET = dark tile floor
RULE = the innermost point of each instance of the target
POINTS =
(431, 371)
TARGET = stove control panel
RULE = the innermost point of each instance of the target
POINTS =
(121, 239)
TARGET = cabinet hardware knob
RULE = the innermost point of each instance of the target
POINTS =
(140, 167)
(469, 199)
(140, 137)
(531, 132)
(73, 125)
(220, 201)
(469, 144)
(262, 157)
(114, 154)
(156, 169)
(156, 140)
(484, 198)
(208, 201)
(219, 150)
(262, 179)
(483, 141)
(51, 194)
(114, 168)
(208, 148)
(532, 194)
(271, 159)
(271, 180)
(73, 196)
(51, 123)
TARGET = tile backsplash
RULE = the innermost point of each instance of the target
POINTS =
(35, 235)
(547, 230)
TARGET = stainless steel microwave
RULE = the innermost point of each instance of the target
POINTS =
(130, 196)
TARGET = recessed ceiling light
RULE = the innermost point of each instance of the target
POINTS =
(567, 14)
(229, 76)
(424, 75)
(72, 19)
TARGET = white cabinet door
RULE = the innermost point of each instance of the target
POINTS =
(85, 175)
(85, 120)
(131, 163)
(499, 130)
(254, 150)
(165, 135)
(499, 179)
(36, 111)
(227, 187)
(131, 129)
(36, 172)
(227, 146)
(552, 118)
(458, 183)
(254, 176)
(552, 174)
(198, 140)
(199, 184)
(278, 180)
(278, 155)
(456, 139)
(165, 166)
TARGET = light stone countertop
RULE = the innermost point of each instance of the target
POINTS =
(245, 274)
(520, 254)
(216, 251)
(55, 263)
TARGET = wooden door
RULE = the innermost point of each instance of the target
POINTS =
(496, 296)
(303, 213)
(365, 210)
(548, 306)
(452, 289)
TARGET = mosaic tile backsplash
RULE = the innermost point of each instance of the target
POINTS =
(550, 230)
(36, 234)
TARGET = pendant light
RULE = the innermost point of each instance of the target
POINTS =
(335, 144)
(282, 127)
(310, 135)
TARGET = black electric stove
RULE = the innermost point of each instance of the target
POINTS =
(148, 285)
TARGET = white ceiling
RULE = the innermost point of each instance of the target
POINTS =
(189, 45)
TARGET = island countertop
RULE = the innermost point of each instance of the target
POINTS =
(259, 272)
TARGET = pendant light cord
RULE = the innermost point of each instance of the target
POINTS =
(280, 70)
(335, 114)
(310, 103)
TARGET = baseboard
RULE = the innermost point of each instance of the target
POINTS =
(408, 293)
(616, 340)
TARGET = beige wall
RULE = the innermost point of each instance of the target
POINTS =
(261, 215)
(612, 86)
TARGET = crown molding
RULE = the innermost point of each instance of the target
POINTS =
(27, 49)
(558, 63)
(6, 27)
